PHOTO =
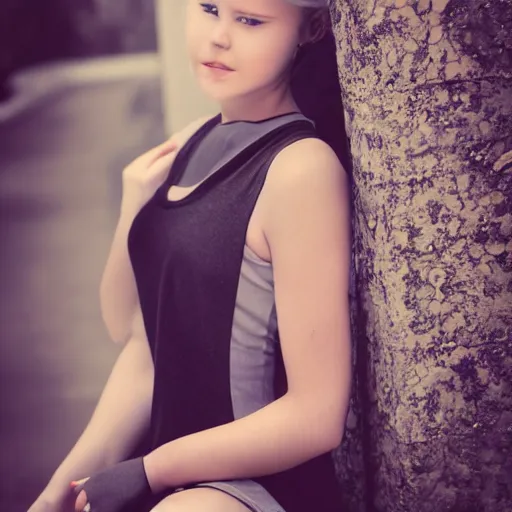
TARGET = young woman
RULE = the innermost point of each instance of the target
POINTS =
(228, 282)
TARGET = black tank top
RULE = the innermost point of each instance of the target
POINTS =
(186, 256)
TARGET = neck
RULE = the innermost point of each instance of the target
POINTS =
(258, 106)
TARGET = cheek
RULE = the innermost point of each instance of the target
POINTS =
(194, 31)
(268, 57)
(194, 41)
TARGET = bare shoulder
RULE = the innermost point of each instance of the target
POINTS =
(303, 166)
(307, 192)
(197, 123)
(184, 134)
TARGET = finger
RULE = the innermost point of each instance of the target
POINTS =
(78, 484)
(146, 159)
(162, 164)
(74, 483)
(163, 149)
(81, 502)
(166, 149)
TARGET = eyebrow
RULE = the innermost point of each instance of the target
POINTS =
(254, 15)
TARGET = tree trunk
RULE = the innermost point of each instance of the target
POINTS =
(427, 90)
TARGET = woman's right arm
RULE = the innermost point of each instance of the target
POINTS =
(118, 292)
(117, 425)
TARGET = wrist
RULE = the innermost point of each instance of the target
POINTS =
(56, 492)
(153, 475)
(130, 206)
(119, 487)
(58, 482)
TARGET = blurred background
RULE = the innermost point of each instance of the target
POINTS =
(85, 87)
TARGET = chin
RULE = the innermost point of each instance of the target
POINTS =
(214, 95)
(218, 92)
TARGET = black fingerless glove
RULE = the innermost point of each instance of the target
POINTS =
(116, 488)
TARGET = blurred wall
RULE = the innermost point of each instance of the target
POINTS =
(120, 26)
(33, 31)
(183, 100)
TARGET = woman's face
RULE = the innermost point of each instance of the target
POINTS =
(256, 39)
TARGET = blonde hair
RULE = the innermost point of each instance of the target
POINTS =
(311, 4)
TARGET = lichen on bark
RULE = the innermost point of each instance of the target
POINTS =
(427, 90)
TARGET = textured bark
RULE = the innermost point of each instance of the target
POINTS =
(427, 89)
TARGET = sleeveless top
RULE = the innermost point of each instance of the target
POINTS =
(208, 300)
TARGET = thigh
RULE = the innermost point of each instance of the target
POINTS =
(200, 499)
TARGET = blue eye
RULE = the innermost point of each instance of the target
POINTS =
(210, 9)
(245, 20)
(251, 22)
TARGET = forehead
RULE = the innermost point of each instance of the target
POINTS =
(275, 8)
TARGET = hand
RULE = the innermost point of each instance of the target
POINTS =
(113, 489)
(146, 173)
(81, 502)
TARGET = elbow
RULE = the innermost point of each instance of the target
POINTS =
(331, 435)
(326, 423)
(118, 336)
(117, 332)
(331, 427)
(334, 430)
(334, 438)
(326, 440)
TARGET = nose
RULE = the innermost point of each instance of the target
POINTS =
(220, 35)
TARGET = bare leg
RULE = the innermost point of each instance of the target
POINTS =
(200, 500)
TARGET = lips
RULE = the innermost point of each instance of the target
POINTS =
(217, 65)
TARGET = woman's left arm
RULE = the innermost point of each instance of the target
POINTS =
(307, 226)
